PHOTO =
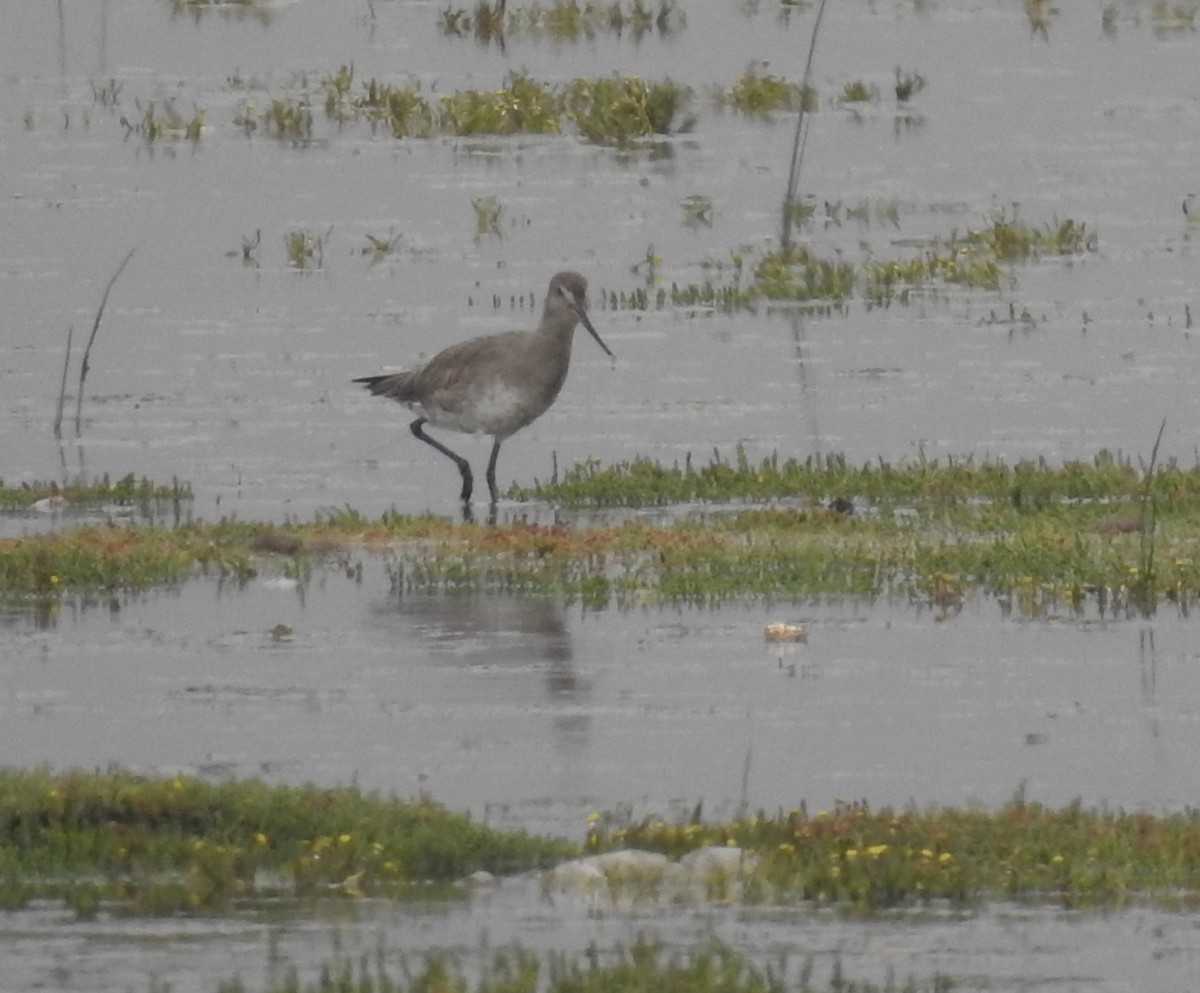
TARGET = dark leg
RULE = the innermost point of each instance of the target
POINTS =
(491, 472)
(464, 467)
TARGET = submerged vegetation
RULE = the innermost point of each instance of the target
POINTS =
(1103, 533)
(645, 967)
(563, 20)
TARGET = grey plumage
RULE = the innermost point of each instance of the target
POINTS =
(496, 384)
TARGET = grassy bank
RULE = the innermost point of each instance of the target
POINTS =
(868, 860)
(167, 845)
(162, 845)
(1103, 533)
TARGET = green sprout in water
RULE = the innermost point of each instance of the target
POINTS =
(1010, 240)
(1175, 17)
(289, 119)
(259, 10)
(304, 249)
(858, 91)
(763, 94)
(521, 106)
(1040, 13)
(164, 122)
(378, 248)
(697, 211)
(487, 217)
(107, 94)
(620, 109)
(908, 85)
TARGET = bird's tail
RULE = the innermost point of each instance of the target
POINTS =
(392, 385)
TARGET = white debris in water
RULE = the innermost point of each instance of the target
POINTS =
(481, 879)
(717, 860)
(280, 583)
(632, 875)
(49, 505)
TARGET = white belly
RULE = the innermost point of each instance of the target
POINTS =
(494, 408)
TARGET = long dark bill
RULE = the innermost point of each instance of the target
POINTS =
(595, 334)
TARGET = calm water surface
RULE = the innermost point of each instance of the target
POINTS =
(235, 377)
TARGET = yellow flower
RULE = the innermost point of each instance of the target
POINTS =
(593, 817)
(926, 853)
(260, 838)
(1056, 859)
(851, 853)
(343, 839)
(945, 857)
(787, 848)
(876, 850)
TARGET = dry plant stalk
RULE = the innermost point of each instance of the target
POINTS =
(85, 365)
(797, 144)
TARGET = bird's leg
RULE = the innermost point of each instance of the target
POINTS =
(491, 472)
(464, 467)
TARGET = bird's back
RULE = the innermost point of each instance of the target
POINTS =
(495, 384)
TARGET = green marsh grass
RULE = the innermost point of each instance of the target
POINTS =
(175, 844)
(872, 860)
(172, 844)
(1034, 535)
(763, 94)
(522, 105)
(1007, 239)
(618, 110)
(103, 490)
(980, 258)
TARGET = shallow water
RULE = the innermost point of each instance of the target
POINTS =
(526, 712)
(1001, 948)
(235, 378)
